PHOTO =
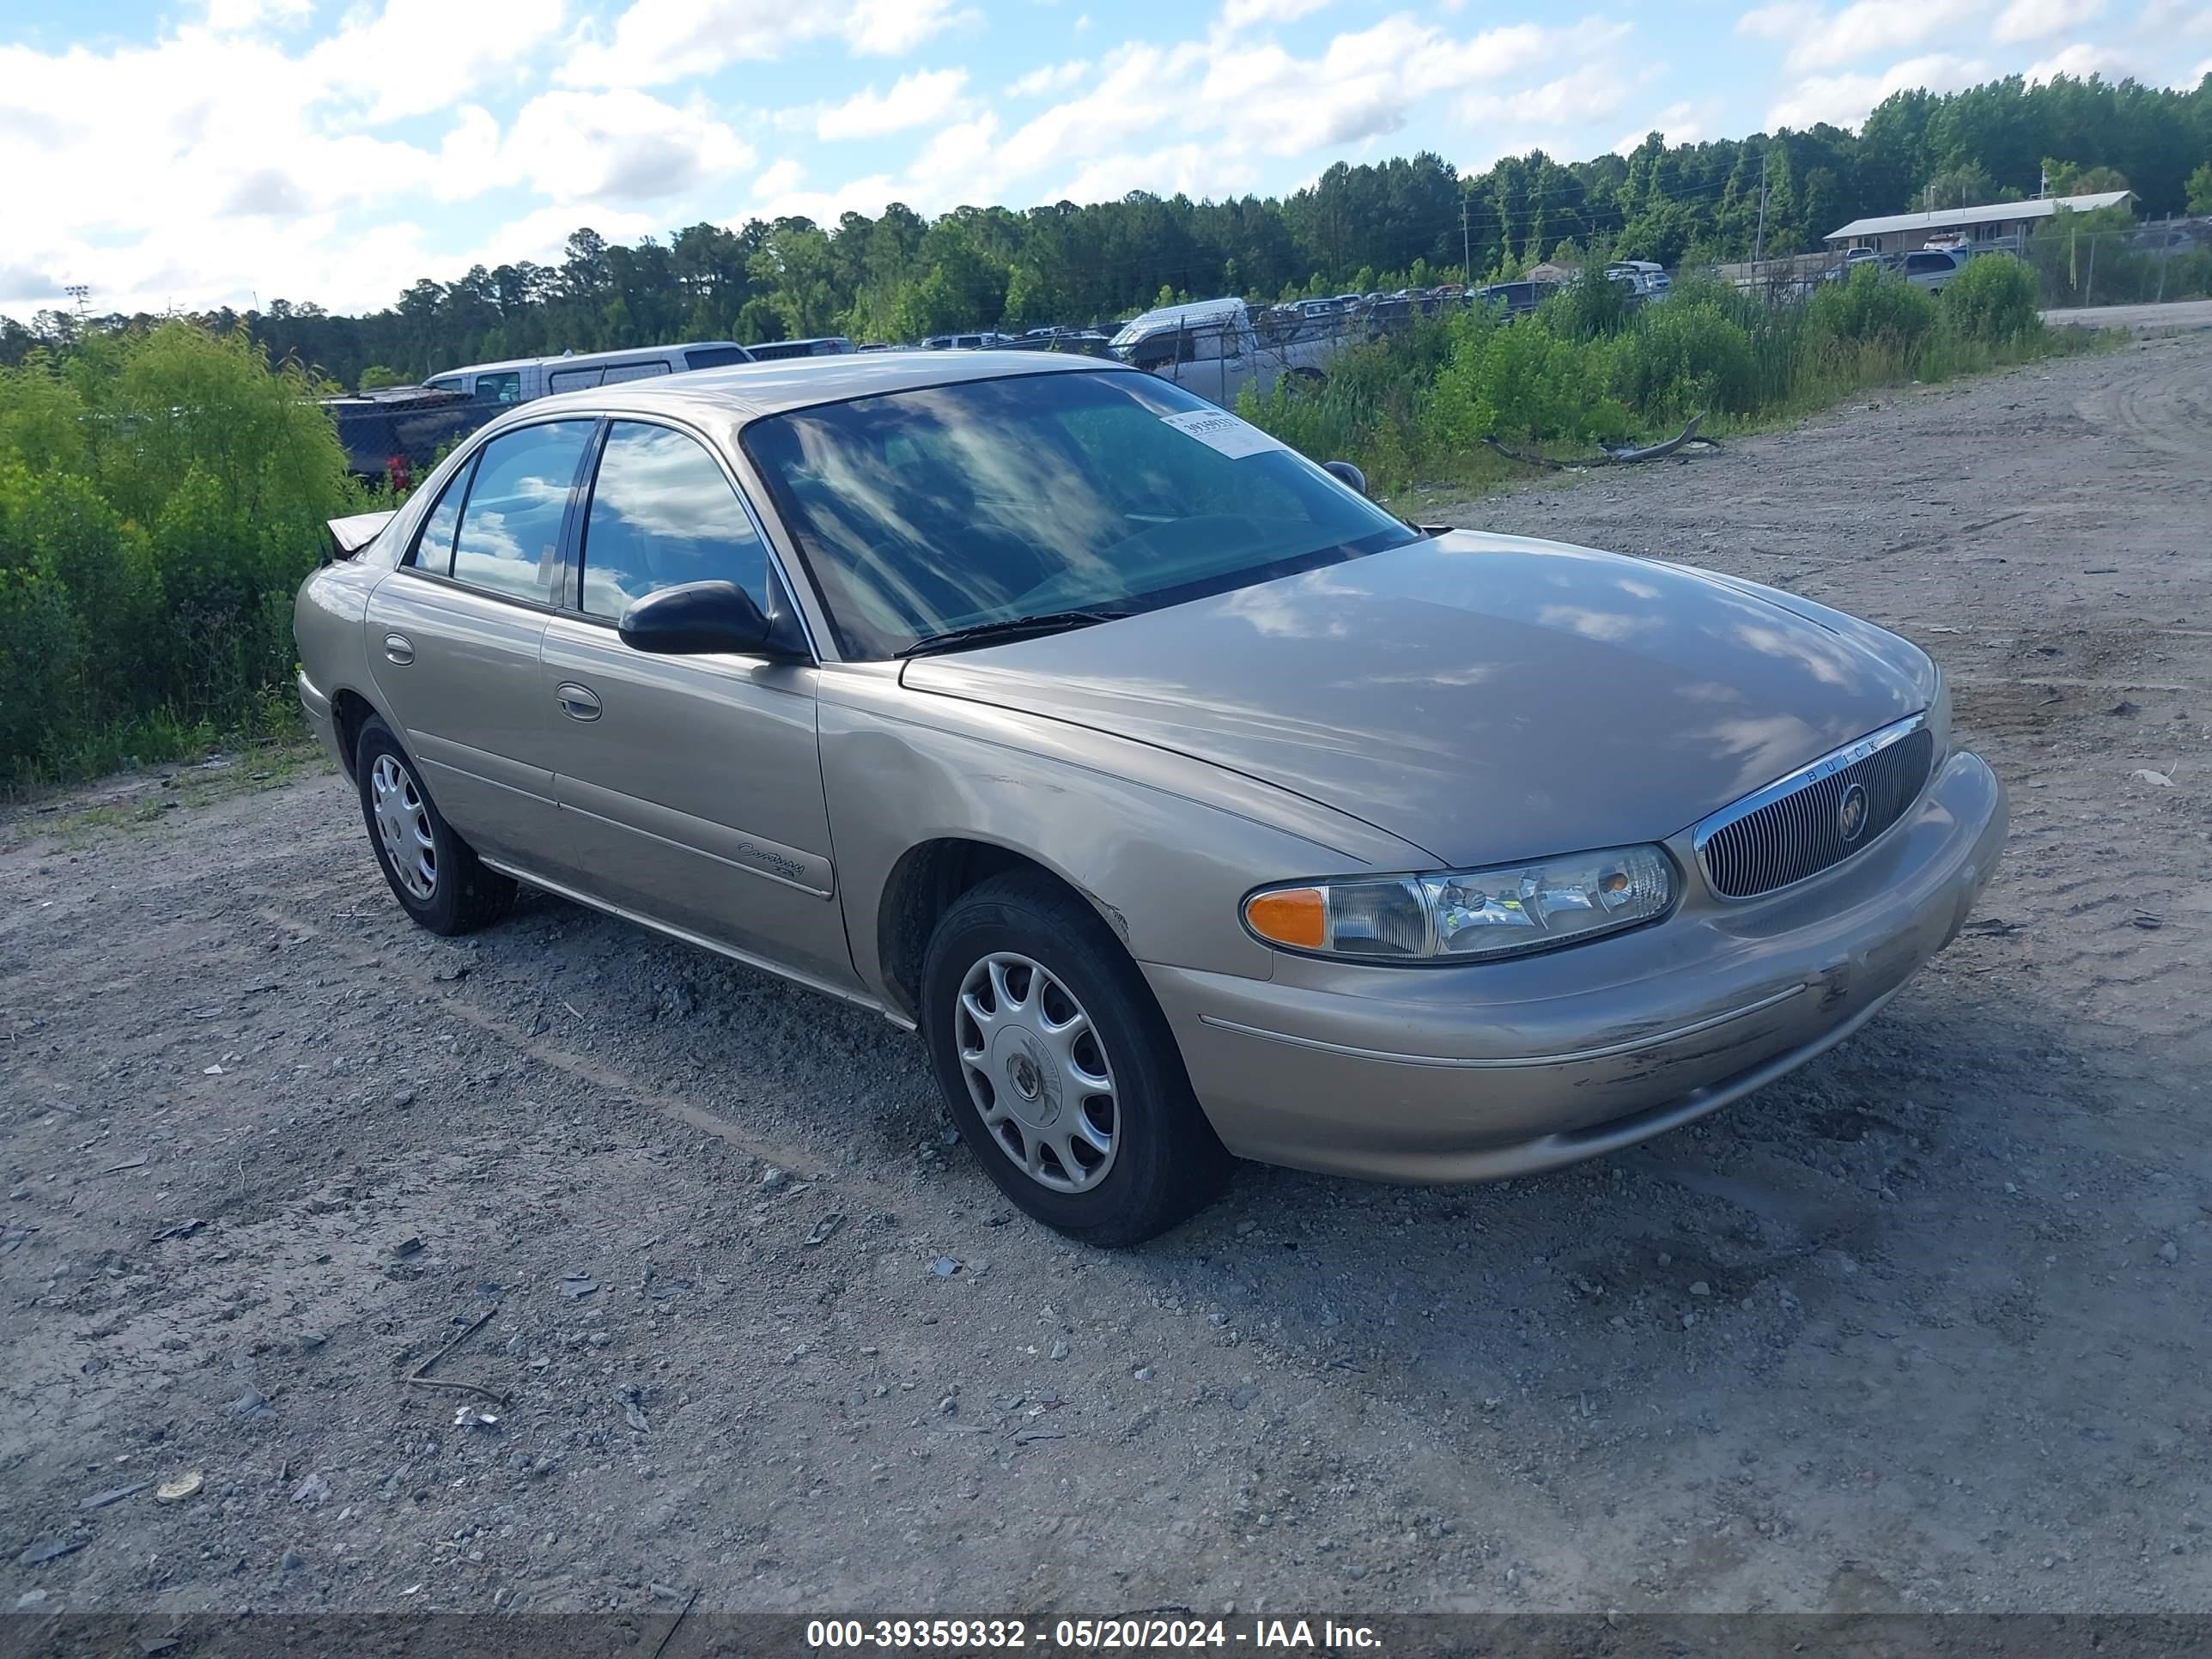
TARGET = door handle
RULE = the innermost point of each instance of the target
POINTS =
(399, 648)
(578, 703)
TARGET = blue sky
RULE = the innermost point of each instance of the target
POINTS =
(232, 151)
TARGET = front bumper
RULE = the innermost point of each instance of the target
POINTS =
(1480, 1071)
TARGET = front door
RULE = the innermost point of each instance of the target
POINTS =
(454, 634)
(691, 787)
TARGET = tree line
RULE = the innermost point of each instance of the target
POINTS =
(1413, 220)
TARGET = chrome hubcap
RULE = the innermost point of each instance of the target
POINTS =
(1038, 1072)
(403, 822)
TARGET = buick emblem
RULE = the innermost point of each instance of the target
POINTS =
(1852, 813)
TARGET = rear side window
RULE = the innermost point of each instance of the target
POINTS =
(509, 542)
(635, 372)
(714, 356)
(434, 548)
(664, 514)
(572, 380)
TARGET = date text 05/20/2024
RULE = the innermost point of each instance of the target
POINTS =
(1090, 1635)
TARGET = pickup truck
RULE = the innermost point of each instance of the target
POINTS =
(399, 430)
(1215, 348)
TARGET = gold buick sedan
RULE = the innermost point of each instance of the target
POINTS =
(1189, 804)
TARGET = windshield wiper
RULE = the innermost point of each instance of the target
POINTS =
(1009, 628)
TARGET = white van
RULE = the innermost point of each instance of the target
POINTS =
(1213, 348)
(523, 380)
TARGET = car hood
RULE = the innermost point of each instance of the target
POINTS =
(1487, 698)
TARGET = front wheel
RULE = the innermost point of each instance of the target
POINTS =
(1060, 1069)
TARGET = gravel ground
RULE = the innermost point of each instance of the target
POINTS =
(1922, 1327)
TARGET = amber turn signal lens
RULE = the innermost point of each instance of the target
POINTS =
(1290, 915)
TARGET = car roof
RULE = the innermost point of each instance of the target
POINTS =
(585, 359)
(750, 391)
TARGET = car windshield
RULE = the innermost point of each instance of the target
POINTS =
(951, 506)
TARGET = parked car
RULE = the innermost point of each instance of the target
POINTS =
(524, 379)
(1647, 282)
(1932, 267)
(397, 430)
(821, 345)
(1089, 341)
(1215, 348)
(1187, 802)
(1517, 298)
(982, 340)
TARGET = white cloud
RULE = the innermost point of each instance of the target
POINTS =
(914, 101)
(1197, 170)
(232, 15)
(540, 236)
(777, 194)
(1845, 100)
(660, 40)
(1593, 90)
(2034, 20)
(1050, 77)
(1681, 123)
(779, 178)
(1242, 14)
(2166, 19)
(619, 146)
(2082, 60)
(891, 28)
(1785, 20)
(1821, 40)
(417, 57)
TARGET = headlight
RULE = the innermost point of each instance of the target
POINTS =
(1467, 914)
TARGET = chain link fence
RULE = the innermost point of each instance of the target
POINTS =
(2140, 264)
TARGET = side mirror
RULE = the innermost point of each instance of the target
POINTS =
(1345, 473)
(699, 618)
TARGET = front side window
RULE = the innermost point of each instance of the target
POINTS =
(500, 388)
(509, 542)
(946, 507)
(664, 514)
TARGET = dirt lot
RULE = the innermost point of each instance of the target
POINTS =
(1923, 1327)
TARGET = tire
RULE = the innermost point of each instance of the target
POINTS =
(1024, 1094)
(445, 887)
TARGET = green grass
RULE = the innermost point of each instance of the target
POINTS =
(274, 754)
(1414, 411)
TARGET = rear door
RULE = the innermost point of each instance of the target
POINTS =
(691, 787)
(455, 633)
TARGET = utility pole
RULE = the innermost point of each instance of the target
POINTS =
(1758, 246)
(1466, 246)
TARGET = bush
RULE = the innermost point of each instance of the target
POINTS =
(162, 494)
(1683, 357)
(42, 665)
(1518, 379)
(1590, 306)
(1872, 307)
(1992, 301)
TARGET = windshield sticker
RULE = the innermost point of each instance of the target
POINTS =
(1217, 428)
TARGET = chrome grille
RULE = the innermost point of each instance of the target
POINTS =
(1795, 829)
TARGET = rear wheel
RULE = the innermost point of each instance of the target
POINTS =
(434, 874)
(1060, 1069)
